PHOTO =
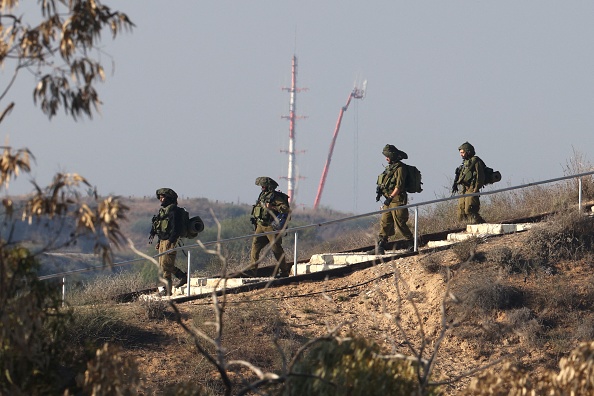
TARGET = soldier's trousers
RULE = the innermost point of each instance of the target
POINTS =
(167, 261)
(393, 221)
(468, 210)
(275, 241)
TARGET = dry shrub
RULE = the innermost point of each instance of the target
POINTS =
(155, 308)
(523, 322)
(575, 377)
(466, 250)
(438, 217)
(576, 374)
(487, 294)
(508, 380)
(251, 331)
(511, 261)
(190, 388)
(585, 329)
(110, 373)
(525, 202)
(567, 235)
(352, 366)
(430, 263)
(576, 165)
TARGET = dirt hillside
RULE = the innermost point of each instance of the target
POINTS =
(397, 304)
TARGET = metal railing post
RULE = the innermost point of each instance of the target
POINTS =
(416, 246)
(295, 255)
(188, 274)
(580, 195)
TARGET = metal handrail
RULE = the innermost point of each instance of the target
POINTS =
(330, 222)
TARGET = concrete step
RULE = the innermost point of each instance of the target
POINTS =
(328, 261)
(481, 230)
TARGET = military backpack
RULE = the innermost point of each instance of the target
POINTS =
(412, 183)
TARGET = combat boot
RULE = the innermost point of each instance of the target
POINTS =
(476, 218)
(167, 288)
(382, 244)
(410, 246)
(182, 278)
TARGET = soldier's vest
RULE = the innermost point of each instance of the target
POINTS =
(161, 224)
(386, 181)
(277, 199)
(467, 174)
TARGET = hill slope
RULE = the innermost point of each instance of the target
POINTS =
(501, 304)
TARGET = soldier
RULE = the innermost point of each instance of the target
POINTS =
(167, 226)
(390, 186)
(269, 214)
(471, 176)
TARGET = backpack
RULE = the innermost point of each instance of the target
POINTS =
(413, 183)
(491, 176)
(191, 226)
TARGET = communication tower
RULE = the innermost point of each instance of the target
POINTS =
(292, 117)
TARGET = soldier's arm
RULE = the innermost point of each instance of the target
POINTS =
(400, 180)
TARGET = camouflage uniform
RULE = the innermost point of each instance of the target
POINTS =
(167, 226)
(472, 178)
(390, 181)
(264, 214)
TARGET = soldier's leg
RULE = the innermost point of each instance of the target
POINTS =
(167, 262)
(182, 277)
(385, 232)
(276, 245)
(400, 219)
(258, 243)
(472, 210)
(462, 209)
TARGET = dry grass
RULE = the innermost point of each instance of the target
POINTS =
(102, 289)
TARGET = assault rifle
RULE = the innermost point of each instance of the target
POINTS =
(153, 232)
(378, 191)
(456, 177)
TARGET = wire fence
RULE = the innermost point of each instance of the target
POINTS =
(295, 230)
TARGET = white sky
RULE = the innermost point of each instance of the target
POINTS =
(195, 101)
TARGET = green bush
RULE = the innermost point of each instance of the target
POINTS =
(31, 326)
(352, 367)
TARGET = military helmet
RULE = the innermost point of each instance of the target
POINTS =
(390, 151)
(265, 181)
(469, 148)
(167, 193)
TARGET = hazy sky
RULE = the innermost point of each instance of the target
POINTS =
(194, 100)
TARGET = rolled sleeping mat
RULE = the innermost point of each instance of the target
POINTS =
(196, 224)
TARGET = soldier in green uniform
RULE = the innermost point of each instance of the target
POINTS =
(390, 186)
(471, 177)
(269, 214)
(167, 227)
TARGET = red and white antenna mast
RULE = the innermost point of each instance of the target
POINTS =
(292, 117)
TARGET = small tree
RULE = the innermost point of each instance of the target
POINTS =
(57, 51)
